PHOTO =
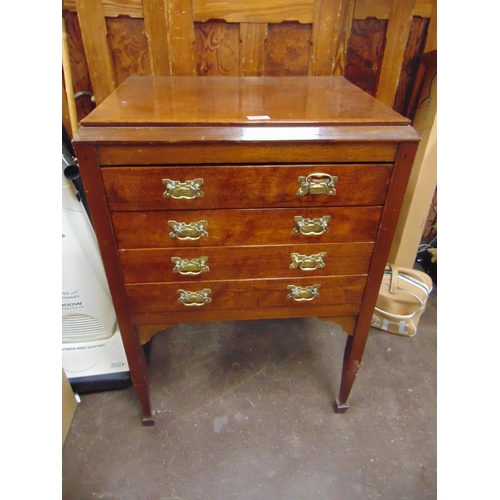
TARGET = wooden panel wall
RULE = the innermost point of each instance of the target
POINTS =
(373, 43)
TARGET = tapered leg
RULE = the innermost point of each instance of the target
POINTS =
(350, 368)
(355, 344)
(139, 375)
(144, 398)
(103, 227)
(140, 379)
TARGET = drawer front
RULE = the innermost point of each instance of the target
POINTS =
(223, 263)
(239, 294)
(150, 323)
(194, 228)
(209, 187)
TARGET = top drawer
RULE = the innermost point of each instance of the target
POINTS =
(207, 187)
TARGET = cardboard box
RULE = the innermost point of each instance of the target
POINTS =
(69, 405)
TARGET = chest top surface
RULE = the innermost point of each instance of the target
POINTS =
(241, 101)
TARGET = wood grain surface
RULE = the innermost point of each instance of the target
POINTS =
(94, 35)
(415, 47)
(285, 148)
(365, 52)
(141, 188)
(253, 38)
(252, 294)
(156, 26)
(259, 38)
(256, 11)
(155, 265)
(245, 227)
(217, 49)
(129, 48)
(78, 64)
(397, 33)
(287, 49)
(273, 100)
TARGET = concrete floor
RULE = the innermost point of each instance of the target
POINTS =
(243, 411)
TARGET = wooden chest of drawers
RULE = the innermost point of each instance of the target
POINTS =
(220, 199)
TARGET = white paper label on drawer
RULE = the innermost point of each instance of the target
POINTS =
(259, 117)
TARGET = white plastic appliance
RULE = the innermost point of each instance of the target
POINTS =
(93, 356)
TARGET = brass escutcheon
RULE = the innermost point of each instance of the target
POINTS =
(190, 266)
(197, 299)
(183, 190)
(307, 262)
(317, 183)
(188, 231)
(311, 227)
(302, 294)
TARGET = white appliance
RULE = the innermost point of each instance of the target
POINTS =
(93, 356)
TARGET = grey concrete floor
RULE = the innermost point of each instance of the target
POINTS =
(244, 411)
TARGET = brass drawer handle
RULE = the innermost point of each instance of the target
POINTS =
(183, 190)
(190, 267)
(311, 227)
(317, 183)
(301, 294)
(188, 231)
(196, 299)
(307, 262)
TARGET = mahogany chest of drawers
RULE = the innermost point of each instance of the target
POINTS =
(218, 199)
